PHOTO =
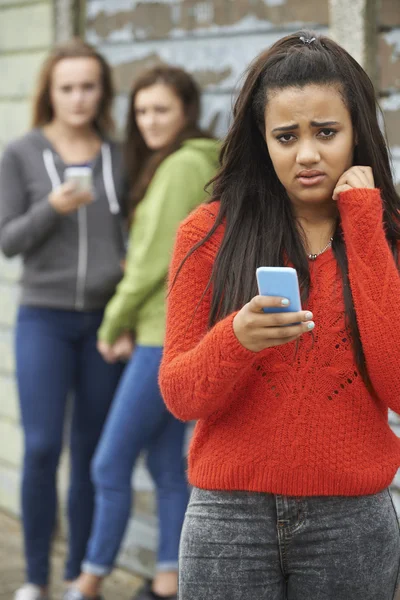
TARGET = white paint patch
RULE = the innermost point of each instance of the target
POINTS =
(122, 35)
(395, 152)
(215, 55)
(393, 39)
(273, 3)
(248, 23)
(392, 103)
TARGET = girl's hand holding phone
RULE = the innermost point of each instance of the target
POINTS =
(257, 330)
(356, 177)
(67, 199)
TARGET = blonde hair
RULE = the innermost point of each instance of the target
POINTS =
(76, 48)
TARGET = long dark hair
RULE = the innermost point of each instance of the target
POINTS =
(142, 163)
(260, 226)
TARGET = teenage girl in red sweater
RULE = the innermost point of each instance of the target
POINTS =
(292, 454)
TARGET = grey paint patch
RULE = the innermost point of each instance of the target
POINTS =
(393, 39)
(228, 56)
(273, 3)
(391, 102)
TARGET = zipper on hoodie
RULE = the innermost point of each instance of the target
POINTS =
(82, 258)
(52, 172)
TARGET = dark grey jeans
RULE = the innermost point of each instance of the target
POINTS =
(251, 546)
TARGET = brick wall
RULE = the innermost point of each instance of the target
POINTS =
(25, 36)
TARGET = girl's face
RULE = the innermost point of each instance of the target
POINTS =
(76, 91)
(310, 140)
(160, 115)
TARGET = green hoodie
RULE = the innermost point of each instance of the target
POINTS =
(175, 190)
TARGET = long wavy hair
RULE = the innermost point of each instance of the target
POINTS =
(261, 227)
(43, 111)
(142, 162)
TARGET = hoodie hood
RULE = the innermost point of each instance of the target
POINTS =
(207, 146)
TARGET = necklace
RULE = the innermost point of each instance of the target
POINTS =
(314, 256)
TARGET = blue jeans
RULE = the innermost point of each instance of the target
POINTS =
(56, 354)
(138, 421)
(254, 546)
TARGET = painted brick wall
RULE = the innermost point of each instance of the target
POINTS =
(25, 36)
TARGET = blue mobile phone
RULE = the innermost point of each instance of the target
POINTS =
(282, 282)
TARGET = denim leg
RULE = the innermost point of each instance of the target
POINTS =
(166, 464)
(96, 384)
(45, 368)
(343, 548)
(136, 415)
(229, 548)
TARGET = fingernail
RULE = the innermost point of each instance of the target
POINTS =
(285, 302)
(310, 325)
(308, 316)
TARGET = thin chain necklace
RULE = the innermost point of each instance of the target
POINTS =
(314, 256)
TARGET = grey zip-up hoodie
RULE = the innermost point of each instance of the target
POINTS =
(71, 262)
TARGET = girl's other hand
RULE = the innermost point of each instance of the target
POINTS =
(66, 199)
(356, 177)
(257, 330)
(106, 351)
(123, 347)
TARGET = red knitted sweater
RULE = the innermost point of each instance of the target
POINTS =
(278, 421)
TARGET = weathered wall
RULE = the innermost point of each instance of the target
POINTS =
(389, 76)
(389, 83)
(26, 33)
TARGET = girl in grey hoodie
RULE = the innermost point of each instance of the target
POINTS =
(71, 241)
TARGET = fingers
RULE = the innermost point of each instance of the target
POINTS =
(106, 351)
(339, 189)
(68, 187)
(257, 303)
(284, 333)
(356, 177)
(282, 319)
(84, 197)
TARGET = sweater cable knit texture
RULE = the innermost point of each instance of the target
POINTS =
(295, 423)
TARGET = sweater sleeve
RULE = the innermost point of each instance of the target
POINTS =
(200, 366)
(175, 190)
(375, 285)
(22, 226)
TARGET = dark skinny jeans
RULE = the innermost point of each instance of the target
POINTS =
(254, 546)
(56, 354)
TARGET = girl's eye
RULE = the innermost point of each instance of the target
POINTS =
(66, 89)
(285, 138)
(161, 109)
(89, 86)
(327, 133)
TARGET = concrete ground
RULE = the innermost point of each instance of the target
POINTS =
(119, 586)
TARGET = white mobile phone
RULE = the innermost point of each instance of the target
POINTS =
(282, 282)
(81, 176)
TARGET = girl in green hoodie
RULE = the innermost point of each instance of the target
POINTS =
(170, 161)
